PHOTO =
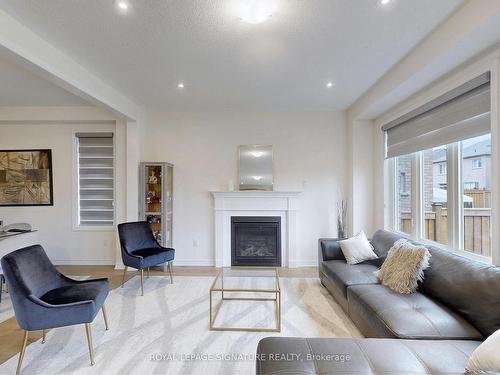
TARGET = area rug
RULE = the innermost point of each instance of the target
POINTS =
(166, 331)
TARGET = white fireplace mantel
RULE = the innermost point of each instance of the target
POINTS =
(255, 203)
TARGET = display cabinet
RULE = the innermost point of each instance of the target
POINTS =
(156, 199)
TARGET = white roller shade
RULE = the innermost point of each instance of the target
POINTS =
(95, 179)
(450, 118)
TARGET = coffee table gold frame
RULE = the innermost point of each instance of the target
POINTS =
(221, 289)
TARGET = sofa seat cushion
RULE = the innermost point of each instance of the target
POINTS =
(345, 275)
(380, 312)
(362, 356)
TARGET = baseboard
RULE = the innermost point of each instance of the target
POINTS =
(293, 263)
(84, 262)
(194, 263)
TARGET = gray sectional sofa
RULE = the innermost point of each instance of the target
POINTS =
(433, 331)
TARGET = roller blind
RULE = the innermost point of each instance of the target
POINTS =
(95, 179)
(457, 115)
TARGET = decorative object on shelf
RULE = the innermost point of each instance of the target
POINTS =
(256, 167)
(342, 219)
(152, 178)
(26, 178)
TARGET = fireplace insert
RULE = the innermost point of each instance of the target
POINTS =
(256, 241)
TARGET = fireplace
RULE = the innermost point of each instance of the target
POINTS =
(256, 241)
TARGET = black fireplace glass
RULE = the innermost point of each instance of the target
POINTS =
(256, 241)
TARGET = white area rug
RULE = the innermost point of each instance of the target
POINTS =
(167, 330)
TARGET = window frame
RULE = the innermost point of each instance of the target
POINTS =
(76, 188)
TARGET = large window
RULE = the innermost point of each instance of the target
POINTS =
(448, 138)
(95, 167)
(476, 180)
(404, 217)
(433, 198)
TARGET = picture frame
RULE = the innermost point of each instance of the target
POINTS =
(26, 178)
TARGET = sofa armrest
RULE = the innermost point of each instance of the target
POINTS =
(329, 249)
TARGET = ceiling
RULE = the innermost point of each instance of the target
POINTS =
(224, 63)
(21, 87)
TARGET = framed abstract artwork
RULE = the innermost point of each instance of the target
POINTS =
(26, 178)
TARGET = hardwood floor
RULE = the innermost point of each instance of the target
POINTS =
(11, 335)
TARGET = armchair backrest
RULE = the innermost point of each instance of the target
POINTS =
(135, 236)
(29, 271)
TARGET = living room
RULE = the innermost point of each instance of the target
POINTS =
(144, 145)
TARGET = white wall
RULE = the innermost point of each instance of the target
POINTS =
(24, 128)
(309, 156)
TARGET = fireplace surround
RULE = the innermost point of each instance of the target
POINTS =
(256, 241)
(283, 204)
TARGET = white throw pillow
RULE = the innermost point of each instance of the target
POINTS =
(485, 358)
(357, 249)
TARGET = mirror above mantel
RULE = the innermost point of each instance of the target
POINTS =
(256, 167)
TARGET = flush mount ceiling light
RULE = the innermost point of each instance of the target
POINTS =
(257, 178)
(329, 84)
(255, 11)
(180, 85)
(384, 2)
(122, 5)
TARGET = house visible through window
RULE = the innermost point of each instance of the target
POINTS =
(95, 161)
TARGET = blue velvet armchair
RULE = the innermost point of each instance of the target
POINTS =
(141, 250)
(43, 298)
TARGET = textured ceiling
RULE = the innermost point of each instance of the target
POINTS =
(282, 64)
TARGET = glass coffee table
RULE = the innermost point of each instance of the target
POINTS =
(246, 285)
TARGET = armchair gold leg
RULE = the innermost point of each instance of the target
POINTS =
(88, 331)
(170, 271)
(44, 333)
(103, 308)
(124, 273)
(148, 273)
(21, 354)
(142, 282)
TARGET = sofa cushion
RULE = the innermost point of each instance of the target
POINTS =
(380, 312)
(345, 275)
(468, 287)
(362, 356)
(383, 240)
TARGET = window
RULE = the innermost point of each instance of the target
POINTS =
(471, 186)
(452, 171)
(95, 167)
(403, 203)
(442, 168)
(477, 195)
(435, 194)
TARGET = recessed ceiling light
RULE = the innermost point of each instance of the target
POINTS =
(385, 2)
(180, 85)
(255, 11)
(123, 5)
(329, 84)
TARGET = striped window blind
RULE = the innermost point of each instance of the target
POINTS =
(95, 179)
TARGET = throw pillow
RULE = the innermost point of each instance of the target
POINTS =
(357, 249)
(485, 358)
(404, 267)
